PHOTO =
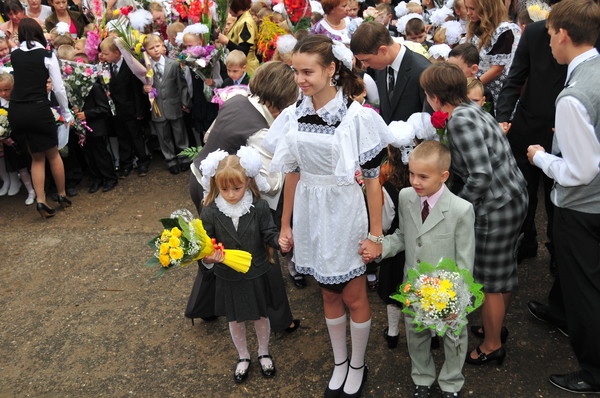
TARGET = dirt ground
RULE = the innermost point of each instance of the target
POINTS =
(80, 315)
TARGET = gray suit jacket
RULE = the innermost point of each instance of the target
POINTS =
(172, 92)
(255, 229)
(448, 231)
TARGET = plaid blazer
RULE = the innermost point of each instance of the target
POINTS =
(482, 160)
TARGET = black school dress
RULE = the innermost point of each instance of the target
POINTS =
(30, 117)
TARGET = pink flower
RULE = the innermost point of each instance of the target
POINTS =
(80, 61)
(68, 69)
(89, 71)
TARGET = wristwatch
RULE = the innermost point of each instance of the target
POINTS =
(376, 239)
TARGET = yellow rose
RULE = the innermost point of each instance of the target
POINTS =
(116, 12)
(3, 112)
(164, 260)
(176, 253)
(166, 234)
(174, 242)
(176, 232)
(164, 248)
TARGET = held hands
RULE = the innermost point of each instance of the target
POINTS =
(531, 151)
(369, 250)
(505, 126)
(286, 241)
(147, 88)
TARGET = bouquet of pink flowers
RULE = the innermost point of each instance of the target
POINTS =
(79, 78)
(223, 94)
(201, 60)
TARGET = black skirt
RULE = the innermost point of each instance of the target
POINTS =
(33, 127)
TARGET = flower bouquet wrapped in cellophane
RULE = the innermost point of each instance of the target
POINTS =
(440, 297)
(184, 240)
(4, 126)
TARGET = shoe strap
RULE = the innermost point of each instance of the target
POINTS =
(244, 360)
(480, 354)
(341, 363)
(360, 367)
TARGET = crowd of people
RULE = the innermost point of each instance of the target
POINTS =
(327, 92)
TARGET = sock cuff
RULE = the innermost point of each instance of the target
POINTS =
(363, 325)
(336, 321)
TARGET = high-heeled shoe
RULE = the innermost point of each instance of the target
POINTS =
(478, 331)
(64, 202)
(483, 358)
(241, 375)
(358, 393)
(45, 211)
(329, 393)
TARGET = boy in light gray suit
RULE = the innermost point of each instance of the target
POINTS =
(172, 98)
(433, 224)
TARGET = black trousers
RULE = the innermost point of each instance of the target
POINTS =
(577, 245)
(131, 142)
(99, 160)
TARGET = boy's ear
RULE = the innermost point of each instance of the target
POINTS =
(474, 69)
(244, 68)
(445, 175)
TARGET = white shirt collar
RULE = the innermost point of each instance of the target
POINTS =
(398, 60)
(36, 45)
(119, 63)
(239, 81)
(578, 60)
(160, 62)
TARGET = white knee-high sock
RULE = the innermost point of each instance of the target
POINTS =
(238, 335)
(26, 178)
(15, 183)
(337, 334)
(263, 332)
(4, 176)
(359, 332)
(393, 316)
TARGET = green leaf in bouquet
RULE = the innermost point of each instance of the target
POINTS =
(169, 223)
(160, 272)
(186, 233)
(152, 262)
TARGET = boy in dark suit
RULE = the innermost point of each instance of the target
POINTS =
(236, 69)
(131, 104)
(172, 98)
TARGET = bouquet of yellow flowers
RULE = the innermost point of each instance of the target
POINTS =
(184, 240)
(4, 126)
(440, 297)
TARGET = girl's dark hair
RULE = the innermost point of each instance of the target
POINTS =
(240, 5)
(13, 6)
(322, 46)
(30, 31)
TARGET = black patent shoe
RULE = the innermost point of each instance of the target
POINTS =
(574, 382)
(44, 210)
(269, 370)
(64, 202)
(422, 392)
(329, 393)
(483, 358)
(392, 341)
(291, 329)
(358, 393)
(240, 375)
(478, 331)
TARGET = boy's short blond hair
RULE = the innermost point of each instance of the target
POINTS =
(6, 77)
(152, 39)
(66, 52)
(433, 151)
(109, 44)
(236, 58)
(62, 40)
(474, 83)
(414, 7)
(175, 28)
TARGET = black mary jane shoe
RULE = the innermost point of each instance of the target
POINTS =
(483, 358)
(329, 393)
(446, 394)
(478, 331)
(358, 393)
(299, 281)
(267, 371)
(392, 341)
(241, 375)
(291, 329)
(422, 392)
(64, 202)
(44, 210)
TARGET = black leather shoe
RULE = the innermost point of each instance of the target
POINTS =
(329, 393)
(542, 313)
(94, 187)
(526, 251)
(184, 167)
(124, 172)
(174, 170)
(574, 382)
(358, 393)
(392, 341)
(267, 371)
(240, 376)
(479, 332)
(109, 185)
(422, 392)
(446, 394)
(64, 202)
(483, 358)
(72, 192)
(291, 329)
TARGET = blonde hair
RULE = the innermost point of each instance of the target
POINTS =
(414, 7)
(473, 83)
(109, 44)
(229, 173)
(61, 40)
(150, 39)
(435, 152)
(236, 58)
(7, 77)
(194, 36)
(175, 28)
(66, 52)
(154, 6)
(439, 36)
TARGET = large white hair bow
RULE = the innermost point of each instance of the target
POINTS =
(250, 161)
(208, 167)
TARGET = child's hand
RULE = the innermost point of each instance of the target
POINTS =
(8, 141)
(286, 241)
(532, 150)
(80, 115)
(222, 39)
(210, 82)
(147, 88)
(217, 257)
(185, 109)
(369, 250)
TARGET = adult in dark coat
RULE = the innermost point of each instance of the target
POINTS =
(374, 47)
(535, 80)
(241, 120)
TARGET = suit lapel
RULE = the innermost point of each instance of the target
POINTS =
(245, 221)
(227, 224)
(437, 213)
(402, 78)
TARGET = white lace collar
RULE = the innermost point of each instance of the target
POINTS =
(333, 111)
(237, 210)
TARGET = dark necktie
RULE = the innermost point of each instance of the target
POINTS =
(114, 69)
(391, 82)
(425, 211)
